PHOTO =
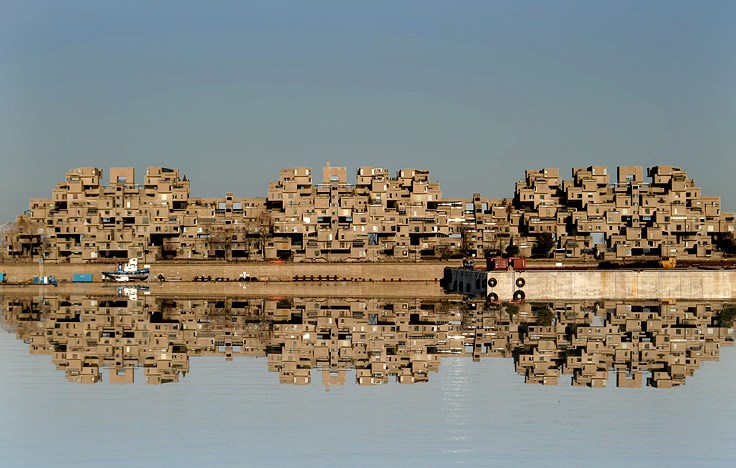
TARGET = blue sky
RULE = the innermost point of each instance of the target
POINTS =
(474, 91)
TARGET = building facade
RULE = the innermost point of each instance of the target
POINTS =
(378, 217)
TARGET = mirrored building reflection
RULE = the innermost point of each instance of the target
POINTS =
(373, 341)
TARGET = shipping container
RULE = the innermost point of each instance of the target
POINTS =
(82, 278)
(496, 263)
(501, 264)
(518, 263)
(3, 278)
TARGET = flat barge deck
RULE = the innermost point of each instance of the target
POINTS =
(592, 284)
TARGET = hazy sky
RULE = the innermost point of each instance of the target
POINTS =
(474, 91)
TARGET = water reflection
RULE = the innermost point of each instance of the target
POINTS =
(658, 343)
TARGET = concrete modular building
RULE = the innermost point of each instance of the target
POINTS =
(664, 217)
(378, 217)
(87, 220)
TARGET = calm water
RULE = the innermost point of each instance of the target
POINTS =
(237, 413)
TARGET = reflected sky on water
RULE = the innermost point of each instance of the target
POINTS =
(471, 406)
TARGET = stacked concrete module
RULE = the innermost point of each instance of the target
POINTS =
(588, 215)
(379, 217)
(85, 220)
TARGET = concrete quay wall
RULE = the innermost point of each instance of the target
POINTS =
(415, 289)
(595, 284)
(422, 271)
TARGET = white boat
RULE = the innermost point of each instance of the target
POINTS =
(131, 292)
(127, 272)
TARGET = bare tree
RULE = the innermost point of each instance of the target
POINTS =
(23, 240)
(265, 231)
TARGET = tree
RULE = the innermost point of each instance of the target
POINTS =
(511, 309)
(544, 315)
(250, 233)
(7, 234)
(465, 241)
(265, 231)
(168, 249)
(727, 317)
(512, 250)
(725, 243)
(544, 245)
(221, 240)
(23, 239)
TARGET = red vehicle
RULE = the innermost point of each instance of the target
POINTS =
(496, 264)
(518, 263)
(501, 264)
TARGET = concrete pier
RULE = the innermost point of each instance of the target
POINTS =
(290, 279)
(593, 284)
(265, 271)
(182, 289)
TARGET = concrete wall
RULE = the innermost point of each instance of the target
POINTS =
(423, 271)
(599, 284)
(430, 289)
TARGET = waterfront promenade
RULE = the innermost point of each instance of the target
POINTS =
(188, 289)
(264, 271)
(287, 279)
(422, 279)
